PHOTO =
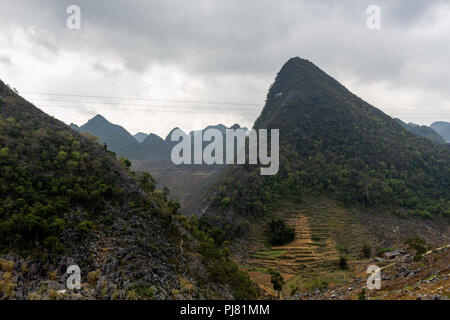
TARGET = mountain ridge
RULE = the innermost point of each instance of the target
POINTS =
(443, 128)
(334, 143)
(66, 200)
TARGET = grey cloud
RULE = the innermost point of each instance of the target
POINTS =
(5, 59)
(248, 39)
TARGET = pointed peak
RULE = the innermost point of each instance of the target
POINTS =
(297, 65)
(99, 117)
(168, 136)
(297, 61)
(140, 136)
(220, 127)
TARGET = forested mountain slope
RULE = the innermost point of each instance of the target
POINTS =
(65, 199)
(334, 144)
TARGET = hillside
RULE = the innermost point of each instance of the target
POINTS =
(333, 143)
(350, 178)
(422, 131)
(186, 182)
(65, 199)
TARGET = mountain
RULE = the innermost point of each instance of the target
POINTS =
(65, 200)
(140, 136)
(422, 131)
(140, 147)
(186, 181)
(334, 144)
(443, 128)
(155, 147)
(154, 154)
(116, 137)
(352, 183)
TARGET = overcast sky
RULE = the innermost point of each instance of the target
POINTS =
(197, 54)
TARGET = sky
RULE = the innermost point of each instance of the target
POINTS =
(151, 66)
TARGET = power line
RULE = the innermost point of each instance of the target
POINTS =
(138, 110)
(147, 99)
(144, 105)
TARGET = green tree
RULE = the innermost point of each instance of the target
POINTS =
(277, 281)
(419, 245)
(343, 264)
(366, 250)
(279, 233)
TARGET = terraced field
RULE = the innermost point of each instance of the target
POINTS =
(323, 232)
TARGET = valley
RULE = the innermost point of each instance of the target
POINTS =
(354, 188)
(325, 231)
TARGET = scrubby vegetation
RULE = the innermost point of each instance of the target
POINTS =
(419, 246)
(343, 264)
(220, 267)
(279, 233)
(334, 144)
(46, 172)
(366, 250)
(64, 195)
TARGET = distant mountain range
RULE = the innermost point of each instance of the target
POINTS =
(424, 131)
(443, 128)
(140, 136)
(141, 146)
(144, 146)
(150, 152)
(66, 200)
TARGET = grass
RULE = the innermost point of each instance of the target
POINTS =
(332, 230)
(269, 254)
(305, 283)
(384, 250)
(259, 269)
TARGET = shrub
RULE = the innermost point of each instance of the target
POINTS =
(294, 289)
(418, 245)
(279, 233)
(225, 202)
(52, 243)
(362, 295)
(126, 164)
(85, 226)
(366, 250)
(4, 152)
(343, 262)
(92, 277)
(6, 265)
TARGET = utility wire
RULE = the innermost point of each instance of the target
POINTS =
(145, 105)
(138, 110)
(147, 99)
